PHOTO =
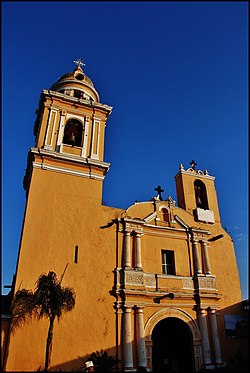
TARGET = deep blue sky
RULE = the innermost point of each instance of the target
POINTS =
(176, 75)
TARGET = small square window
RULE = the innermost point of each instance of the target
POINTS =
(168, 265)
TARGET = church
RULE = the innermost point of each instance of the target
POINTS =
(156, 284)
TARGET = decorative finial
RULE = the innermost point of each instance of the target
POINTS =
(170, 201)
(181, 167)
(159, 190)
(79, 62)
(193, 164)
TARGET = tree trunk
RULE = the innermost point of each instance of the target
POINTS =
(49, 344)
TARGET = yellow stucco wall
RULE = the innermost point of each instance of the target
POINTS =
(49, 239)
(64, 211)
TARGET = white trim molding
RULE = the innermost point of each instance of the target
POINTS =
(63, 170)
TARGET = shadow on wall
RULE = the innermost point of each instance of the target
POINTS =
(237, 363)
(104, 361)
(233, 325)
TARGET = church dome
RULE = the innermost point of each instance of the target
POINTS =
(77, 84)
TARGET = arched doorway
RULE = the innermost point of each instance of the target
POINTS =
(172, 349)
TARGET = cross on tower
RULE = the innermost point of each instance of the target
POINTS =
(79, 62)
(193, 164)
(159, 190)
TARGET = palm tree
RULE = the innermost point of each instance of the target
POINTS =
(48, 300)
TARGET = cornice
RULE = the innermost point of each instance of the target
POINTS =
(72, 99)
(194, 173)
(70, 158)
(64, 170)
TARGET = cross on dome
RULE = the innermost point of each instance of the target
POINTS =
(79, 62)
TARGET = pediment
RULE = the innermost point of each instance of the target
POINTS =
(150, 219)
(176, 222)
(181, 222)
(160, 214)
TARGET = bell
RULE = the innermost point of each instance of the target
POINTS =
(199, 202)
(72, 138)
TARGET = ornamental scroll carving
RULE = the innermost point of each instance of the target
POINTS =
(134, 278)
(149, 280)
(140, 278)
(207, 283)
(134, 227)
(187, 283)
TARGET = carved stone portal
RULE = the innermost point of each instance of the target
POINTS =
(191, 323)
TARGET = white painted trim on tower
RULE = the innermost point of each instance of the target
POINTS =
(70, 158)
(96, 123)
(60, 132)
(48, 144)
(63, 170)
(194, 174)
(85, 137)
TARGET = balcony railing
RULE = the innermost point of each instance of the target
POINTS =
(139, 280)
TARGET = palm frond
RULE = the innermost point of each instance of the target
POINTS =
(23, 307)
(68, 299)
(52, 297)
(49, 300)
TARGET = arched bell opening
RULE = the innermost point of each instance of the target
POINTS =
(200, 195)
(73, 133)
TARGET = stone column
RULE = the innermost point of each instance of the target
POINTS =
(205, 257)
(140, 337)
(197, 262)
(126, 249)
(137, 246)
(215, 336)
(204, 338)
(127, 352)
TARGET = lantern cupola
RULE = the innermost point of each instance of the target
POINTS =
(76, 84)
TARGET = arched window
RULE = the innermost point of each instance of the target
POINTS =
(165, 214)
(200, 194)
(73, 133)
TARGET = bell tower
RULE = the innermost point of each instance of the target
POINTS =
(63, 181)
(196, 194)
(69, 130)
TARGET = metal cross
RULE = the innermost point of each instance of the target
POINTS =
(159, 190)
(193, 164)
(79, 62)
